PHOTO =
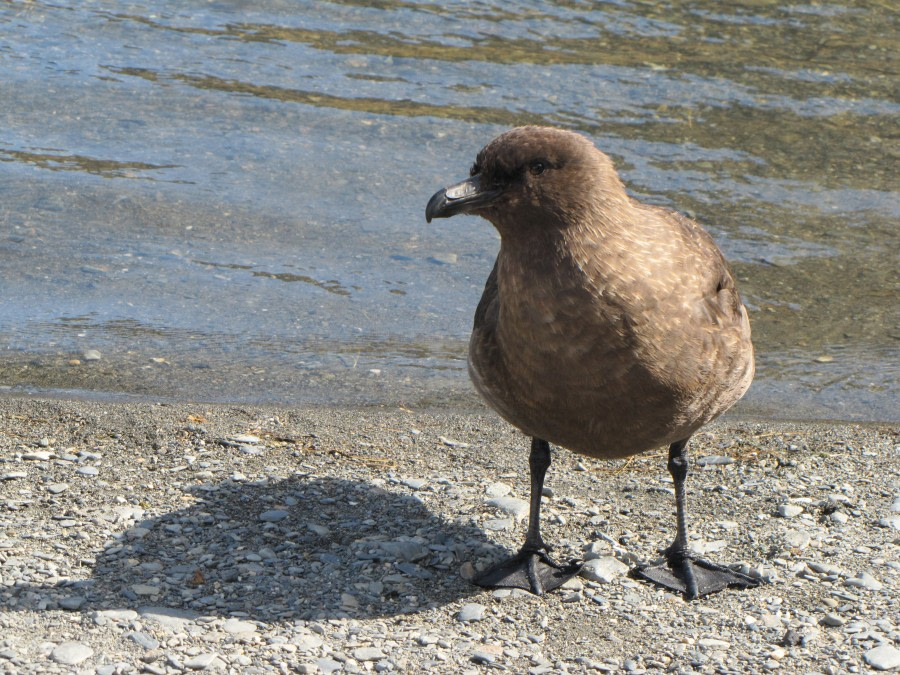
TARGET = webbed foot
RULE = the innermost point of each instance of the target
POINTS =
(693, 577)
(531, 570)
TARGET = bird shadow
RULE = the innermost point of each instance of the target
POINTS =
(302, 549)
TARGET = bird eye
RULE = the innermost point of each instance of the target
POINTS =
(537, 168)
(475, 170)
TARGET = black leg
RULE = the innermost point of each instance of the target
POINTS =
(532, 568)
(684, 572)
(538, 463)
(678, 554)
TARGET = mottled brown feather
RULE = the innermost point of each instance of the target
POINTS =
(607, 326)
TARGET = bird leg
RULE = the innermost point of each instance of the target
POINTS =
(684, 572)
(532, 568)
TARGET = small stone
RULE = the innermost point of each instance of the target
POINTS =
(825, 358)
(57, 488)
(91, 355)
(603, 570)
(72, 603)
(88, 471)
(865, 580)
(144, 640)
(789, 510)
(452, 442)
(38, 456)
(414, 483)
(306, 642)
(713, 643)
(471, 612)
(137, 532)
(703, 547)
(498, 490)
(832, 619)
(201, 661)
(273, 516)
(71, 653)
(145, 589)
(498, 524)
(885, 657)
(482, 658)
(892, 522)
(839, 517)
(410, 551)
(797, 539)
(715, 460)
(168, 618)
(244, 438)
(320, 530)
(328, 666)
(367, 654)
(517, 508)
(13, 475)
(118, 614)
(237, 626)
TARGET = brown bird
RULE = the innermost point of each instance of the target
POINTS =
(607, 326)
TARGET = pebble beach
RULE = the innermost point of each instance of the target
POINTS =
(158, 538)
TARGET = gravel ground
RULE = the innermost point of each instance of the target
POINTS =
(170, 538)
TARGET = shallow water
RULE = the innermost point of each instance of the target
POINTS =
(226, 198)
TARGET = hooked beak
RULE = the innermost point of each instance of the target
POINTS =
(464, 197)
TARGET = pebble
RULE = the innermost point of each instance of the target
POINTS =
(865, 580)
(273, 516)
(471, 612)
(238, 626)
(517, 508)
(892, 522)
(414, 483)
(452, 442)
(57, 488)
(498, 490)
(307, 642)
(328, 666)
(144, 640)
(91, 355)
(201, 661)
(72, 603)
(117, 614)
(88, 471)
(603, 570)
(364, 574)
(71, 653)
(245, 438)
(38, 456)
(789, 510)
(715, 460)
(885, 657)
(367, 654)
(832, 619)
(12, 475)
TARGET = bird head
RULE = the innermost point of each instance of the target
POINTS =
(532, 176)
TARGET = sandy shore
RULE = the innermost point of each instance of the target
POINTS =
(164, 538)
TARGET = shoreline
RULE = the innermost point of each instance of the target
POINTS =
(257, 538)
